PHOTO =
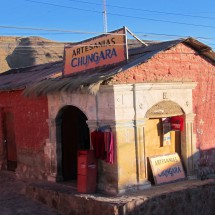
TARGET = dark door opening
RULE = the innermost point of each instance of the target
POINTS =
(74, 136)
(9, 139)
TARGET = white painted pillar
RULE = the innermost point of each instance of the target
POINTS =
(189, 146)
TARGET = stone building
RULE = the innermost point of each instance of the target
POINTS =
(158, 80)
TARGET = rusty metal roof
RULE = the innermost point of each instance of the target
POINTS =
(92, 79)
(22, 77)
(41, 79)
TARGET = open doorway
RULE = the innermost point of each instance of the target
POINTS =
(72, 135)
(9, 139)
(161, 135)
(158, 142)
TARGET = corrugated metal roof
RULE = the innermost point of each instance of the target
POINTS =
(22, 77)
(94, 78)
(201, 48)
(40, 79)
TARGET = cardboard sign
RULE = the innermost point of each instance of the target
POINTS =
(167, 168)
(103, 50)
(167, 139)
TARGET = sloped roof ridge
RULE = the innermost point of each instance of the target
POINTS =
(30, 68)
(21, 78)
(91, 79)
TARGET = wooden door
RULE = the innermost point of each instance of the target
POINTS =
(154, 142)
(9, 138)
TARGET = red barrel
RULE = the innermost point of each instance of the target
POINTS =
(87, 171)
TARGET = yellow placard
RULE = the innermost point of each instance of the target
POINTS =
(96, 52)
(167, 139)
(167, 168)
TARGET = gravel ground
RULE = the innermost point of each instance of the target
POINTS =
(14, 202)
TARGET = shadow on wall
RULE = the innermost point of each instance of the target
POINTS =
(23, 55)
(206, 164)
(190, 199)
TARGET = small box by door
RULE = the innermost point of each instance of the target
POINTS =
(87, 171)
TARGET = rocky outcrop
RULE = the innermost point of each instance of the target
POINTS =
(17, 52)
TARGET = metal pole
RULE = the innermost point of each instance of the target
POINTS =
(104, 16)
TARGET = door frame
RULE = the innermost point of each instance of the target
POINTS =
(12, 152)
(59, 142)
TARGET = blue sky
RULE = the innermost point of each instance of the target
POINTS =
(149, 20)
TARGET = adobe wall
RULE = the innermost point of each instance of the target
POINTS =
(2, 148)
(31, 132)
(181, 64)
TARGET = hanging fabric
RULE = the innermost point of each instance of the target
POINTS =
(97, 139)
(103, 145)
(109, 147)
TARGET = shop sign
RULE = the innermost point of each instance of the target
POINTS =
(99, 51)
(167, 168)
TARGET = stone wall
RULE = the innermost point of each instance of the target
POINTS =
(188, 197)
(99, 111)
(189, 201)
(123, 108)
